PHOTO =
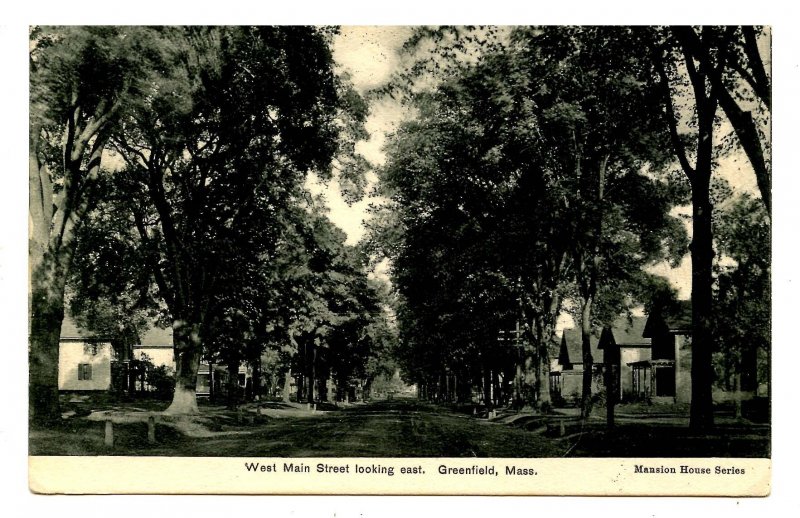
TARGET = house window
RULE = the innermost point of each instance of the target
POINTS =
(85, 371)
(665, 381)
(555, 383)
(641, 381)
(91, 349)
(664, 347)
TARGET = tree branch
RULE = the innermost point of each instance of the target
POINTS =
(763, 86)
(158, 274)
(742, 121)
(171, 239)
(670, 115)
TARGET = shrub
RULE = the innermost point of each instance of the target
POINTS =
(162, 380)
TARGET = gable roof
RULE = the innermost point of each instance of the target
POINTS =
(572, 345)
(627, 332)
(672, 318)
(156, 336)
(71, 331)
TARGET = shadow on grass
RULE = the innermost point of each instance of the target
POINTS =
(402, 429)
(641, 440)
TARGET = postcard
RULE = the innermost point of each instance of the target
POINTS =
(400, 260)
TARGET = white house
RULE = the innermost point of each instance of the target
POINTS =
(84, 361)
(157, 347)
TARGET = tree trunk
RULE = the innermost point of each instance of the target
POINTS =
(47, 267)
(287, 386)
(496, 390)
(611, 365)
(586, 353)
(212, 392)
(233, 384)
(518, 383)
(53, 220)
(701, 415)
(537, 372)
(543, 356)
(49, 255)
(256, 380)
(329, 389)
(187, 346)
(612, 391)
(487, 389)
(47, 314)
(737, 395)
(311, 366)
(544, 396)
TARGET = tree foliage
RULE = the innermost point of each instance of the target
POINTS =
(742, 307)
(216, 129)
(532, 166)
(82, 81)
(693, 67)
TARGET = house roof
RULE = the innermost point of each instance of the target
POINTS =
(71, 331)
(156, 336)
(571, 351)
(672, 318)
(628, 332)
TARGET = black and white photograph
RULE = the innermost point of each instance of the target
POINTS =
(481, 246)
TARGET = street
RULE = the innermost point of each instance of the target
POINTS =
(394, 428)
(399, 428)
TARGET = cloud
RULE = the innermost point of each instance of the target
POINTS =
(369, 55)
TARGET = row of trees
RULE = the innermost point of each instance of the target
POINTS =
(167, 171)
(538, 175)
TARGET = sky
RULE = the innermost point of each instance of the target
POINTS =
(369, 55)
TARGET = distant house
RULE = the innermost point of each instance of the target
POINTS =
(624, 346)
(566, 371)
(668, 372)
(84, 360)
(650, 357)
(157, 347)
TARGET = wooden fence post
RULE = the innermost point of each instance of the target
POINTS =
(109, 438)
(151, 430)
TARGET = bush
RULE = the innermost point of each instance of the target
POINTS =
(162, 380)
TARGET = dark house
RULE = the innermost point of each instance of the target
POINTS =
(566, 372)
(668, 372)
(649, 358)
